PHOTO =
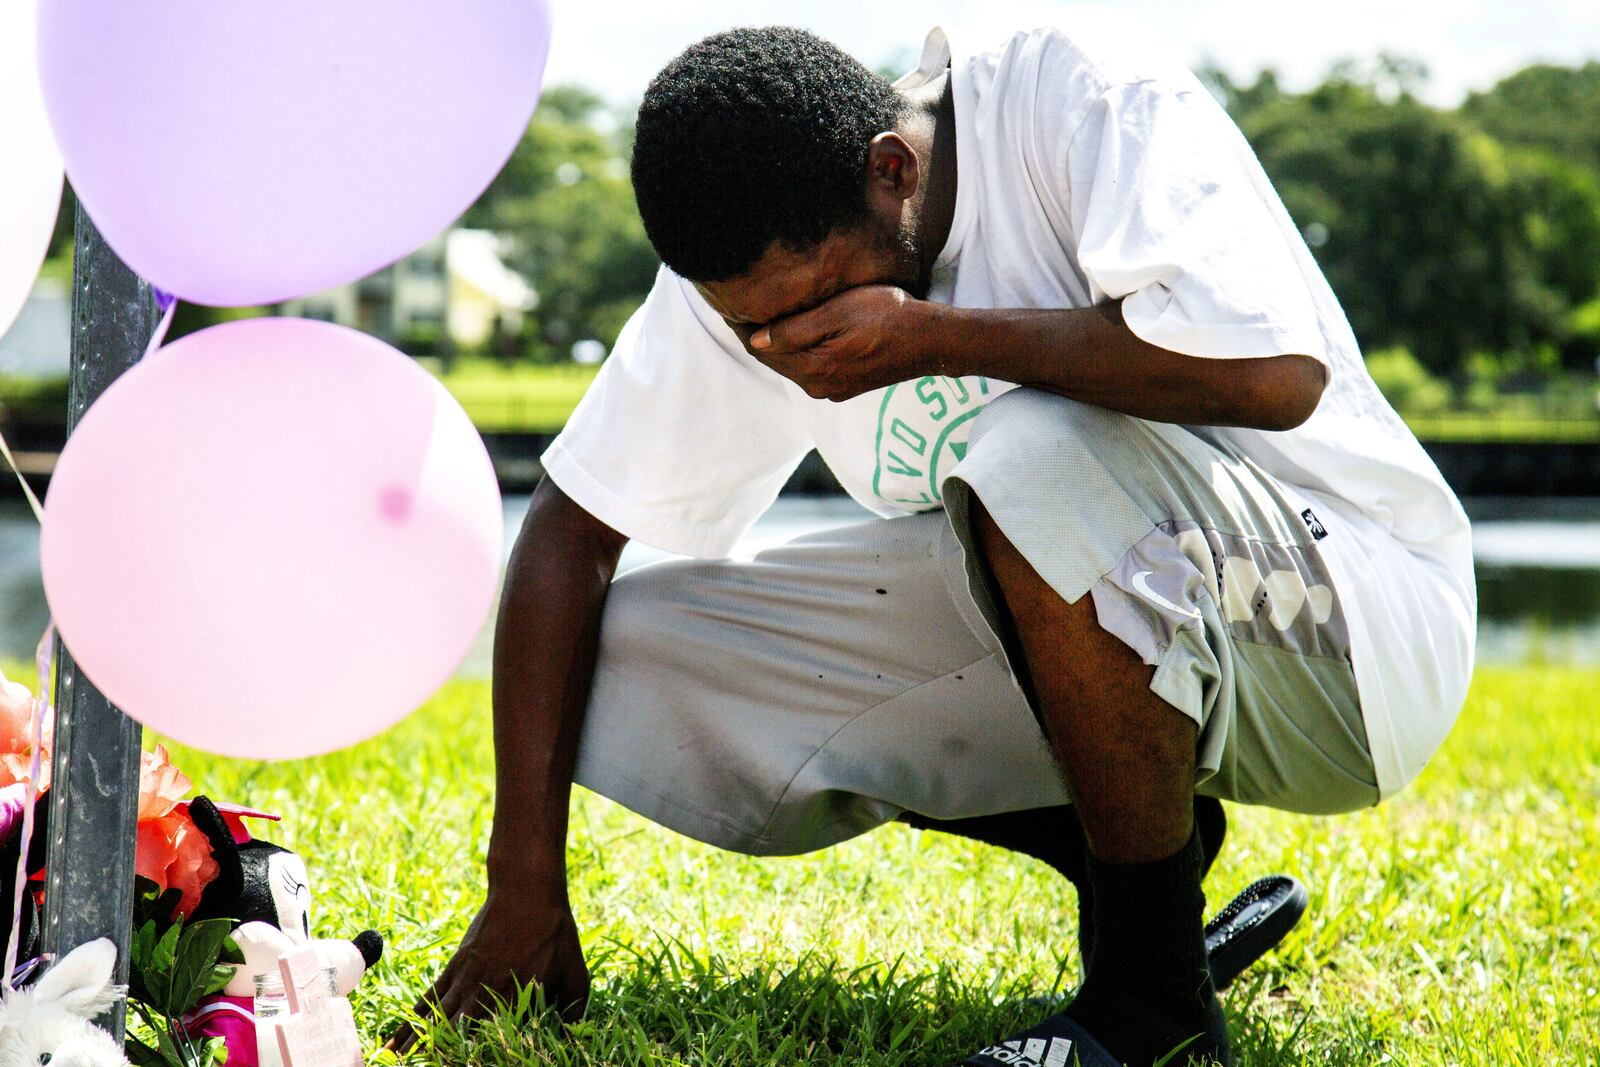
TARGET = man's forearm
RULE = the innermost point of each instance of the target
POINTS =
(544, 655)
(1090, 354)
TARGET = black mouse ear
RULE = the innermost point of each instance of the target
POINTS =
(370, 944)
(218, 897)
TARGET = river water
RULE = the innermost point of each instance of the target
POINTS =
(1538, 573)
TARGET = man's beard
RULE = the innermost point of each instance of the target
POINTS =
(908, 270)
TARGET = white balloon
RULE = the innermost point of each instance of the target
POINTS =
(30, 166)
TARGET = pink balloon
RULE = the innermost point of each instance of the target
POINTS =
(30, 166)
(272, 538)
(238, 152)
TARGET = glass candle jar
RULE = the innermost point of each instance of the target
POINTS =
(271, 1005)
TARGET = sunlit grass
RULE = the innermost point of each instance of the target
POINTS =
(1455, 924)
(540, 397)
(524, 397)
(1504, 428)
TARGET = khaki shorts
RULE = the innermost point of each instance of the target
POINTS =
(824, 687)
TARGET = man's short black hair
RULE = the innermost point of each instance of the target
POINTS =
(754, 136)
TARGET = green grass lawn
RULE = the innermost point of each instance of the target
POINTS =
(1456, 924)
(1507, 427)
(534, 398)
(539, 398)
(526, 398)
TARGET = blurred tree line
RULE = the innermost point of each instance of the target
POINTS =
(1464, 244)
(565, 204)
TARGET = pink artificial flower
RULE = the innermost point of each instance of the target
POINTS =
(172, 851)
(16, 736)
(174, 854)
(161, 785)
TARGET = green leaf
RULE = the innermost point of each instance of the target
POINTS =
(203, 1053)
(165, 1053)
(214, 1051)
(143, 943)
(166, 950)
(150, 901)
(194, 961)
(137, 989)
(141, 1054)
(158, 974)
(221, 975)
(145, 891)
(231, 952)
(169, 1047)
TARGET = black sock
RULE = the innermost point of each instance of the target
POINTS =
(1150, 988)
(1055, 836)
(1211, 824)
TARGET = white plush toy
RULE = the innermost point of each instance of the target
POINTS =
(49, 1022)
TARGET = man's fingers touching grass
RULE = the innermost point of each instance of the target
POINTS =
(464, 1001)
(400, 1039)
(439, 1002)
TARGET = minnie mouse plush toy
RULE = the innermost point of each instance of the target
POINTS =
(264, 889)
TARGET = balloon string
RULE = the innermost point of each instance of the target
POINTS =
(169, 306)
(44, 660)
(27, 490)
(20, 976)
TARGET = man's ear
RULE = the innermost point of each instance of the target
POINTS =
(892, 167)
(217, 898)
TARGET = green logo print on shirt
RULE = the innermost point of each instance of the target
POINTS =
(922, 433)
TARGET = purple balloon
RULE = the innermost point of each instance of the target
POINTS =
(239, 152)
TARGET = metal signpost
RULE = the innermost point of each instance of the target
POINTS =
(94, 796)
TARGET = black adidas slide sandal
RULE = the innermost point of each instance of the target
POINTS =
(1056, 1042)
(1253, 922)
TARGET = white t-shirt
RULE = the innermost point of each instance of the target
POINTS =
(1091, 166)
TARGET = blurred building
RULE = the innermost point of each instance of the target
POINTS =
(482, 289)
(449, 292)
(455, 292)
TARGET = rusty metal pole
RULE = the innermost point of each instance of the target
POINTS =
(94, 796)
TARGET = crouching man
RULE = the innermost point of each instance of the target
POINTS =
(1159, 539)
